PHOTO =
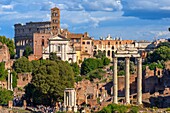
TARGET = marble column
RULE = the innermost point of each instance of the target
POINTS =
(62, 52)
(139, 81)
(115, 90)
(9, 79)
(127, 83)
(65, 53)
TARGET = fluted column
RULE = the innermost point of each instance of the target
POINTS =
(62, 52)
(115, 91)
(139, 81)
(9, 83)
(127, 85)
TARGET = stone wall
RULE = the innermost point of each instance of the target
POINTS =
(23, 79)
(4, 53)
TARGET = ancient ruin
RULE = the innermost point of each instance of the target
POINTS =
(127, 53)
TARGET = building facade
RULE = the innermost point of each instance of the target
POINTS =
(61, 47)
(24, 35)
(37, 34)
(109, 45)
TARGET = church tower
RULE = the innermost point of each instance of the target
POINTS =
(55, 20)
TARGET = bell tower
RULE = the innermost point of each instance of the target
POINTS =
(55, 20)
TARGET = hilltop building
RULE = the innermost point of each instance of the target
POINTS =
(109, 45)
(61, 47)
(37, 34)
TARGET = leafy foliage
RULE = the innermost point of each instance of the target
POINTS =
(28, 50)
(134, 109)
(98, 73)
(10, 45)
(22, 65)
(91, 64)
(49, 81)
(106, 61)
(167, 44)
(75, 68)
(112, 108)
(3, 72)
(5, 96)
(53, 57)
(14, 79)
(161, 53)
(100, 54)
(153, 65)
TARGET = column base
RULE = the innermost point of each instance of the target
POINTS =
(75, 108)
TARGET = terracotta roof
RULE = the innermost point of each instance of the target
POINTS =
(87, 38)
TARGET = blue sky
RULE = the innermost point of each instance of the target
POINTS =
(129, 19)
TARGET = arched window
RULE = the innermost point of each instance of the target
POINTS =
(108, 53)
(112, 54)
(108, 43)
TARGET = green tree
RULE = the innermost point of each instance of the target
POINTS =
(134, 109)
(22, 65)
(28, 50)
(167, 44)
(106, 61)
(88, 65)
(3, 72)
(159, 54)
(14, 79)
(5, 96)
(10, 45)
(98, 73)
(49, 81)
(100, 54)
(75, 68)
(153, 65)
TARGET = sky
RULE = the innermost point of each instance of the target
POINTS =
(128, 19)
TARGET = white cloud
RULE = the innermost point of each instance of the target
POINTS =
(7, 6)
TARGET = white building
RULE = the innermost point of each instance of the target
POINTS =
(61, 46)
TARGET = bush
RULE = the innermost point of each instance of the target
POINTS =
(134, 109)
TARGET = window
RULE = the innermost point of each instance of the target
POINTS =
(77, 40)
(86, 51)
(108, 53)
(100, 42)
(88, 42)
(95, 47)
(83, 43)
(42, 42)
(116, 42)
(112, 47)
(108, 43)
(29, 29)
(59, 49)
(112, 54)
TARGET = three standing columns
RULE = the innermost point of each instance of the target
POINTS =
(127, 81)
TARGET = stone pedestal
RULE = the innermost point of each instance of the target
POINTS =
(10, 104)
